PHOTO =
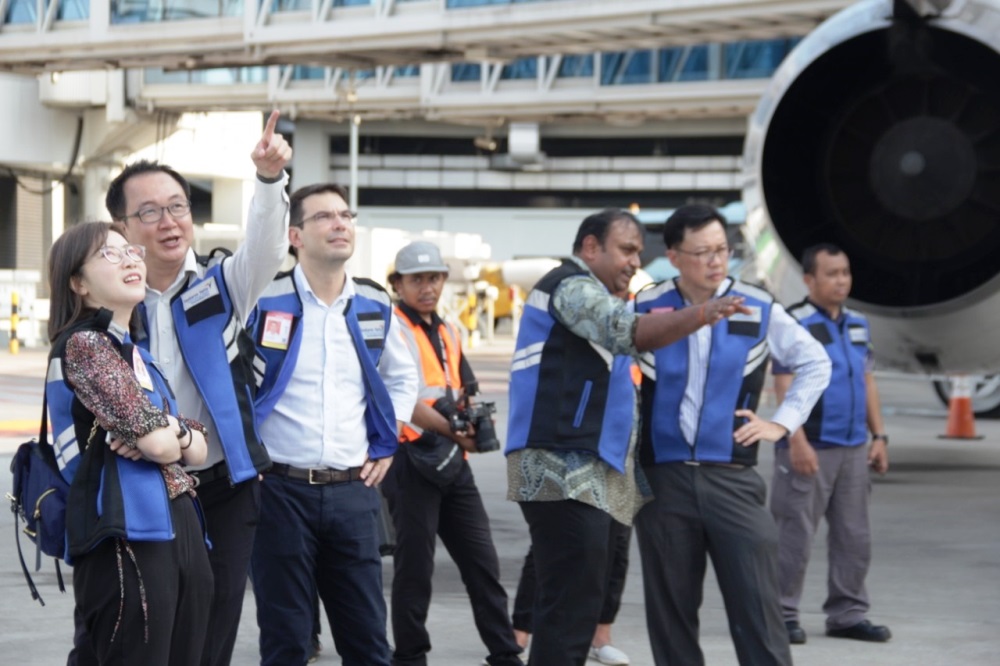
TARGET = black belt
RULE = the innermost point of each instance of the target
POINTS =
(316, 475)
(701, 463)
(213, 473)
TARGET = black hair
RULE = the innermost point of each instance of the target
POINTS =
(599, 224)
(691, 216)
(809, 256)
(115, 198)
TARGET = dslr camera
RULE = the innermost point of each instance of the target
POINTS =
(479, 416)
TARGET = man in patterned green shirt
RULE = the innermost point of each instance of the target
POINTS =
(574, 420)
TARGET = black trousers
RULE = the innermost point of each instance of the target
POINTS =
(421, 511)
(702, 511)
(619, 540)
(569, 540)
(176, 579)
(325, 538)
(231, 515)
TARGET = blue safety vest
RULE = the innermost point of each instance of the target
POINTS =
(840, 416)
(737, 366)
(566, 393)
(368, 315)
(218, 353)
(110, 496)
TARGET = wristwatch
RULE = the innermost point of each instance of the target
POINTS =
(884, 437)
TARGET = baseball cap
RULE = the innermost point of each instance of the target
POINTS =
(420, 257)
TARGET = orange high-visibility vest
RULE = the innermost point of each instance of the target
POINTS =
(433, 381)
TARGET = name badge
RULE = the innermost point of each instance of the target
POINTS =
(197, 295)
(141, 371)
(277, 330)
(859, 335)
(372, 329)
(667, 308)
(754, 315)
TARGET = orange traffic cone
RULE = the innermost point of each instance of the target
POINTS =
(961, 421)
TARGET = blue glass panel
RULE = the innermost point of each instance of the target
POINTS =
(522, 68)
(576, 65)
(466, 71)
(73, 10)
(626, 67)
(454, 4)
(408, 70)
(363, 74)
(695, 67)
(291, 5)
(755, 60)
(350, 3)
(21, 11)
(142, 11)
(306, 73)
(669, 60)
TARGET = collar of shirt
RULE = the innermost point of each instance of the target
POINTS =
(415, 317)
(190, 268)
(582, 264)
(825, 312)
(302, 284)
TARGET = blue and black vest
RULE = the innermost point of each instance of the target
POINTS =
(368, 315)
(737, 366)
(567, 393)
(109, 496)
(218, 352)
(840, 417)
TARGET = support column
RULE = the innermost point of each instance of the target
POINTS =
(311, 161)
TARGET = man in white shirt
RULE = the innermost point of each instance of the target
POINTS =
(336, 377)
(192, 320)
(699, 450)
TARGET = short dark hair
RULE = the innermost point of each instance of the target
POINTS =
(691, 216)
(298, 196)
(809, 255)
(598, 225)
(66, 259)
(115, 198)
(295, 218)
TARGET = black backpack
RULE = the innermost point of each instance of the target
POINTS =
(38, 499)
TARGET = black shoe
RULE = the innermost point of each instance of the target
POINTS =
(796, 634)
(862, 631)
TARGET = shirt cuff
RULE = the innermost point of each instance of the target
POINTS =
(268, 193)
(788, 418)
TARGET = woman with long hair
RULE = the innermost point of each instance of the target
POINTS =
(141, 577)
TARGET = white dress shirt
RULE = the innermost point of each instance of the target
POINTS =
(319, 420)
(789, 343)
(247, 273)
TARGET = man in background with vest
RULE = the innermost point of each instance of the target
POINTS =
(193, 321)
(699, 449)
(336, 375)
(431, 489)
(822, 468)
(573, 423)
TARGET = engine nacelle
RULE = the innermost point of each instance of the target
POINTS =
(881, 133)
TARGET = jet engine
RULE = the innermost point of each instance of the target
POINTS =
(881, 133)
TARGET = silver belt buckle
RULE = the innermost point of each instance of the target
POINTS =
(312, 477)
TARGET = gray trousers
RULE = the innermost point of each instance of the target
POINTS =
(839, 491)
(716, 511)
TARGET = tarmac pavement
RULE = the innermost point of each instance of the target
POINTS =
(935, 577)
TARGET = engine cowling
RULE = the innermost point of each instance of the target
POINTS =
(881, 133)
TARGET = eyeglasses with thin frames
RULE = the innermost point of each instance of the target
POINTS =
(706, 256)
(115, 255)
(326, 216)
(153, 214)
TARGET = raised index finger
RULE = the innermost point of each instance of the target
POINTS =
(272, 122)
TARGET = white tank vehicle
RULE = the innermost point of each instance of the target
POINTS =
(880, 132)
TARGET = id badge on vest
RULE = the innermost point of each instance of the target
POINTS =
(372, 329)
(141, 371)
(202, 301)
(277, 330)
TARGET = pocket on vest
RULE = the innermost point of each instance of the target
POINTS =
(581, 409)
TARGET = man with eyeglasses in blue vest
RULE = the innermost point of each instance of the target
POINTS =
(192, 320)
